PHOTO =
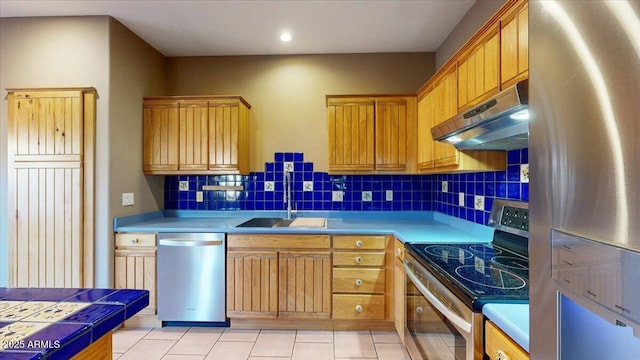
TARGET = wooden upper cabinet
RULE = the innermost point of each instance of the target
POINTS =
(514, 45)
(446, 106)
(391, 134)
(371, 133)
(351, 134)
(196, 135)
(478, 74)
(160, 129)
(426, 119)
(228, 136)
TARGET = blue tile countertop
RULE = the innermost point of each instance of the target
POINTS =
(50, 323)
(409, 226)
(513, 319)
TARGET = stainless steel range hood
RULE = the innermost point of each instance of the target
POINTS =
(501, 123)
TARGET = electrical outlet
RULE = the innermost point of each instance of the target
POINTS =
(199, 196)
(389, 195)
(337, 195)
(445, 186)
(460, 199)
(524, 173)
(367, 196)
(478, 202)
(127, 199)
(183, 185)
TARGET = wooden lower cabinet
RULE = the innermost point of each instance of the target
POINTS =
(363, 307)
(399, 284)
(252, 284)
(305, 284)
(135, 265)
(310, 281)
(275, 276)
(360, 277)
(499, 346)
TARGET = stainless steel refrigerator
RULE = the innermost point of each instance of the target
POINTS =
(584, 157)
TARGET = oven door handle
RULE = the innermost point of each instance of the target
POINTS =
(456, 319)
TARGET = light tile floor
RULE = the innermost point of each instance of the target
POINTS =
(183, 343)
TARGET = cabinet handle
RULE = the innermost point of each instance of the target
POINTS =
(359, 308)
(359, 259)
(359, 243)
(135, 241)
(359, 282)
(399, 251)
(419, 310)
(500, 355)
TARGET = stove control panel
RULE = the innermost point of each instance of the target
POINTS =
(510, 216)
(515, 217)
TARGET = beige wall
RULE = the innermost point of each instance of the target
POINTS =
(287, 93)
(136, 70)
(479, 13)
(54, 52)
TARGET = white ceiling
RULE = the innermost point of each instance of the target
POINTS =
(253, 27)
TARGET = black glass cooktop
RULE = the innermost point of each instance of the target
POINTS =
(479, 273)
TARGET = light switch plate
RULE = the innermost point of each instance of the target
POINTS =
(389, 195)
(445, 186)
(183, 185)
(367, 196)
(337, 195)
(478, 202)
(199, 196)
(127, 199)
(460, 199)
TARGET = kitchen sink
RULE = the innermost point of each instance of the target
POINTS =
(266, 222)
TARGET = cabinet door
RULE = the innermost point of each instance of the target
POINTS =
(46, 188)
(305, 284)
(224, 136)
(478, 75)
(426, 112)
(252, 284)
(160, 128)
(514, 46)
(194, 135)
(399, 308)
(136, 269)
(446, 107)
(391, 134)
(351, 135)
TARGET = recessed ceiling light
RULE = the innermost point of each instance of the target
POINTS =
(285, 36)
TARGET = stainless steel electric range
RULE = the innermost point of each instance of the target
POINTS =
(447, 285)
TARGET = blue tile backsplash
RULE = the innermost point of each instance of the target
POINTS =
(312, 190)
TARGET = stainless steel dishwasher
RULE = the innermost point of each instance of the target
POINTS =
(191, 277)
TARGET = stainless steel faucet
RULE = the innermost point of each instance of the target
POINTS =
(287, 180)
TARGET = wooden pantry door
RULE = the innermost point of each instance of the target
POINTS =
(51, 187)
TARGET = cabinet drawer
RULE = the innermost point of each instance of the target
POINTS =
(497, 343)
(359, 242)
(358, 280)
(347, 258)
(358, 307)
(135, 240)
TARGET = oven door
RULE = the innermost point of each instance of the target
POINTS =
(439, 326)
